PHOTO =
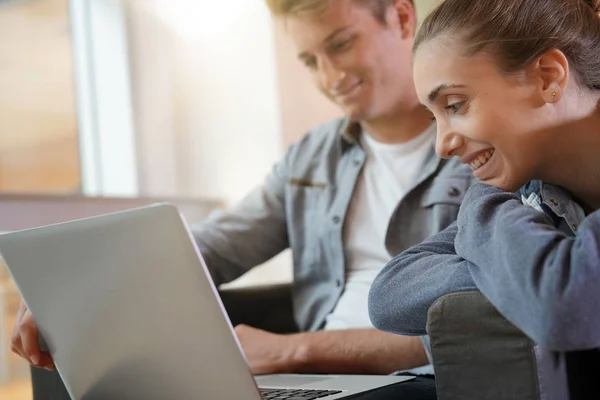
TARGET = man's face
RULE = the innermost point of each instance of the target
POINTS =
(357, 61)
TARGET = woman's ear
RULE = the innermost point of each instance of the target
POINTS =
(551, 70)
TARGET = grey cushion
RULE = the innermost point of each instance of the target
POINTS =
(479, 354)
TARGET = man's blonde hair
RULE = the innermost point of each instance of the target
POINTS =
(289, 8)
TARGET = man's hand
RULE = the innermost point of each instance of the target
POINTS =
(267, 353)
(24, 340)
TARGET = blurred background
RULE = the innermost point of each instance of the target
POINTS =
(111, 103)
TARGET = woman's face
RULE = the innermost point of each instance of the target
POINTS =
(497, 124)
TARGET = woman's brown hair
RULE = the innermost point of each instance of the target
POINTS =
(517, 32)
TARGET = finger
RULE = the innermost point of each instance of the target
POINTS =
(17, 327)
(29, 339)
(16, 345)
(22, 309)
(46, 361)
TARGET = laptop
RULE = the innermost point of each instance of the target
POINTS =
(129, 311)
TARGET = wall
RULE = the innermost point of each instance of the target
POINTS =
(152, 49)
(207, 111)
(205, 96)
(38, 125)
(423, 7)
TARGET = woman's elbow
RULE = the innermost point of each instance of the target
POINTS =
(390, 310)
(378, 309)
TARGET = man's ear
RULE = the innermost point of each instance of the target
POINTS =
(551, 71)
(402, 13)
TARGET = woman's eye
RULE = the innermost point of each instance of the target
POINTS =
(455, 107)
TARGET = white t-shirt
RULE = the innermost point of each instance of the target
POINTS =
(390, 170)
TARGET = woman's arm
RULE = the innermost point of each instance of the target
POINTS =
(545, 282)
(404, 290)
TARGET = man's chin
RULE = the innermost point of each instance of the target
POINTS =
(355, 114)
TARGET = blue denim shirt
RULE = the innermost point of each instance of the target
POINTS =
(303, 203)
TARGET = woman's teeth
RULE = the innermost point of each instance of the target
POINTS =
(481, 160)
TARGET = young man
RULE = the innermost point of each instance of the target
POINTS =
(346, 198)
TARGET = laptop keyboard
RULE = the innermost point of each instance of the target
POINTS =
(296, 394)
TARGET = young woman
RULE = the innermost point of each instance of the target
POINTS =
(515, 88)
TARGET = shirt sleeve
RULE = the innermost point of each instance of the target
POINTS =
(543, 281)
(252, 232)
(404, 290)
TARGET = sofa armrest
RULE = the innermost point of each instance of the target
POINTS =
(264, 307)
(267, 307)
(477, 353)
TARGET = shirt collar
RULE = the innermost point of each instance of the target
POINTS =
(350, 135)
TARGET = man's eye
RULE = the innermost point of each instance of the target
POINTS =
(341, 45)
(310, 63)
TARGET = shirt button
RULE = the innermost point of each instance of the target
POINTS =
(357, 163)
(554, 202)
(338, 283)
(336, 219)
(453, 192)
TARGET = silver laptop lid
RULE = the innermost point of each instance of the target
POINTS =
(128, 309)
